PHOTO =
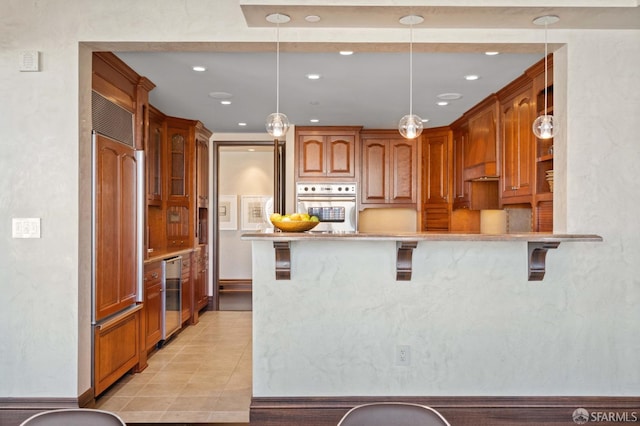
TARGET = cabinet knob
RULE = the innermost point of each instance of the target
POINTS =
(154, 275)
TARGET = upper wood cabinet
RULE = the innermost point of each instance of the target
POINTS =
(186, 181)
(116, 210)
(480, 160)
(389, 169)
(179, 149)
(202, 168)
(326, 153)
(460, 140)
(517, 112)
(154, 157)
(435, 165)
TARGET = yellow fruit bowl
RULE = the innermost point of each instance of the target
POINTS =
(295, 225)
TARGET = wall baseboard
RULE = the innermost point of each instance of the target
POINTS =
(235, 285)
(14, 411)
(459, 411)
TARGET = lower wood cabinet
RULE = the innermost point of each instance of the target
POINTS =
(200, 297)
(187, 288)
(153, 303)
(436, 217)
(116, 348)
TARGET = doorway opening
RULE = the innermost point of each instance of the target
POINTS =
(244, 184)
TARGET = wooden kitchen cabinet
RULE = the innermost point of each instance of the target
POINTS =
(179, 147)
(202, 168)
(326, 153)
(187, 288)
(435, 165)
(436, 189)
(480, 159)
(460, 140)
(187, 181)
(201, 299)
(517, 113)
(116, 260)
(388, 170)
(155, 157)
(153, 303)
(116, 348)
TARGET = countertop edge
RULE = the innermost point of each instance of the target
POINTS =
(419, 236)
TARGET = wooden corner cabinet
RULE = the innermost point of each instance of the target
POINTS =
(389, 169)
(326, 153)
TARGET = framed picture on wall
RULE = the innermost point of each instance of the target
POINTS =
(228, 212)
(253, 211)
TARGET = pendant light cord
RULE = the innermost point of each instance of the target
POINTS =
(411, 69)
(278, 66)
(545, 68)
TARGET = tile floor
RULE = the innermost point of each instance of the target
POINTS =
(202, 375)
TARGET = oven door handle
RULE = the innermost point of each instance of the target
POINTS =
(321, 199)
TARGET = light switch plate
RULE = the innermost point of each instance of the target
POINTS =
(26, 227)
(30, 60)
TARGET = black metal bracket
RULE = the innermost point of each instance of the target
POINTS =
(537, 258)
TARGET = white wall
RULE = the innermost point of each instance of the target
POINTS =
(44, 119)
(241, 173)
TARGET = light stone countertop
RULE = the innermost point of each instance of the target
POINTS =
(419, 236)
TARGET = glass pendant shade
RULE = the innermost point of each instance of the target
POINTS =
(277, 124)
(410, 126)
(545, 127)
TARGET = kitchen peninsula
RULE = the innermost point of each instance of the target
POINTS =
(460, 306)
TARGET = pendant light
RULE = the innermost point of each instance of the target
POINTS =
(410, 126)
(277, 123)
(545, 126)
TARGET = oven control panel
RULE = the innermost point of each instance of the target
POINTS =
(326, 188)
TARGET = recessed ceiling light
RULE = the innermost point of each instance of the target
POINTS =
(314, 120)
(220, 95)
(242, 124)
(199, 68)
(346, 52)
(492, 53)
(313, 76)
(424, 120)
(471, 77)
(225, 102)
(449, 96)
(443, 103)
(251, 149)
(278, 18)
(312, 18)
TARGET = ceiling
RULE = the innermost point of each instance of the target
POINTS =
(370, 88)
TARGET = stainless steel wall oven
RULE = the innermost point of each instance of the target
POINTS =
(335, 204)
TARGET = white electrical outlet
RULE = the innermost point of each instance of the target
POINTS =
(26, 227)
(403, 355)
